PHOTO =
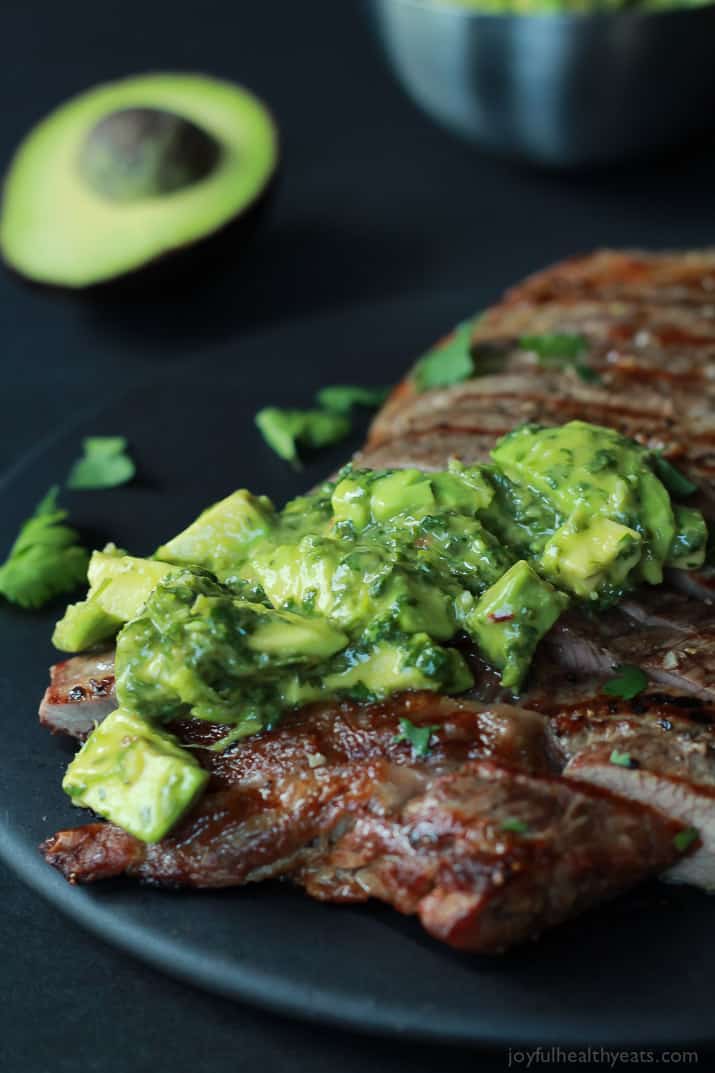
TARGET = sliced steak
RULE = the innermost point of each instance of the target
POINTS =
(80, 694)
(489, 856)
(617, 323)
(517, 817)
(700, 584)
(336, 803)
(674, 656)
(279, 791)
(620, 275)
(667, 608)
(655, 749)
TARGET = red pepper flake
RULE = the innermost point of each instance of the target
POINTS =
(500, 616)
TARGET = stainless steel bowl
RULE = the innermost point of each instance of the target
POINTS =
(560, 90)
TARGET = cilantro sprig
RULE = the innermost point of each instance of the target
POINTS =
(341, 398)
(449, 362)
(627, 683)
(104, 464)
(287, 430)
(517, 827)
(685, 838)
(622, 759)
(46, 558)
(417, 736)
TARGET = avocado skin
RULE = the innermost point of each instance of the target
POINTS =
(209, 253)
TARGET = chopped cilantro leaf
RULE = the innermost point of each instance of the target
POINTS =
(621, 759)
(45, 559)
(556, 348)
(685, 838)
(286, 430)
(561, 351)
(675, 481)
(418, 737)
(517, 826)
(449, 362)
(105, 464)
(587, 374)
(627, 683)
(340, 398)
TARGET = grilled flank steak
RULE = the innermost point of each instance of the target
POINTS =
(511, 818)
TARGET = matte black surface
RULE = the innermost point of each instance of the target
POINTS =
(374, 203)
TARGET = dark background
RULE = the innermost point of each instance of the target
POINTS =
(374, 204)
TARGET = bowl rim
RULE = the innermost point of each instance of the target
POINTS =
(453, 9)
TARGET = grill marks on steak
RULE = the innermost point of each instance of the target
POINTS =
(448, 855)
(370, 819)
(644, 330)
(273, 796)
(622, 275)
(670, 753)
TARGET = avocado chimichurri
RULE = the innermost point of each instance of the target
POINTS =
(361, 589)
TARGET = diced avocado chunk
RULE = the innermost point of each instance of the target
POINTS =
(83, 625)
(123, 582)
(406, 491)
(350, 502)
(352, 587)
(658, 520)
(689, 547)
(288, 634)
(119, 588)
(391, 668)
(464, 489)
(382, 497)
(584, 471)
(134, 775)
(511, 617)
(586, 560)
(219, 538)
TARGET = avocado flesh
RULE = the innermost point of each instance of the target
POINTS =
(585, 560)
(119, 588)
(134, 775)
(687, 552)
(510, 619)
(56, 228)
(221, 534)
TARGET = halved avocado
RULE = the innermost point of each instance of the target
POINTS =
(130, 171)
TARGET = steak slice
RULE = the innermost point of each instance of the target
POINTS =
(273, 795)
(659, 749)
(674, 655)
(488, 856)
(466, 420)
(624, 275)
(333, 801)
(80, 694)
(655, 779)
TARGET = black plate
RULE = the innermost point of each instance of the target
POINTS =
(641, 971)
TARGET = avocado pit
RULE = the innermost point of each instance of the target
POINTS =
(137, 153)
